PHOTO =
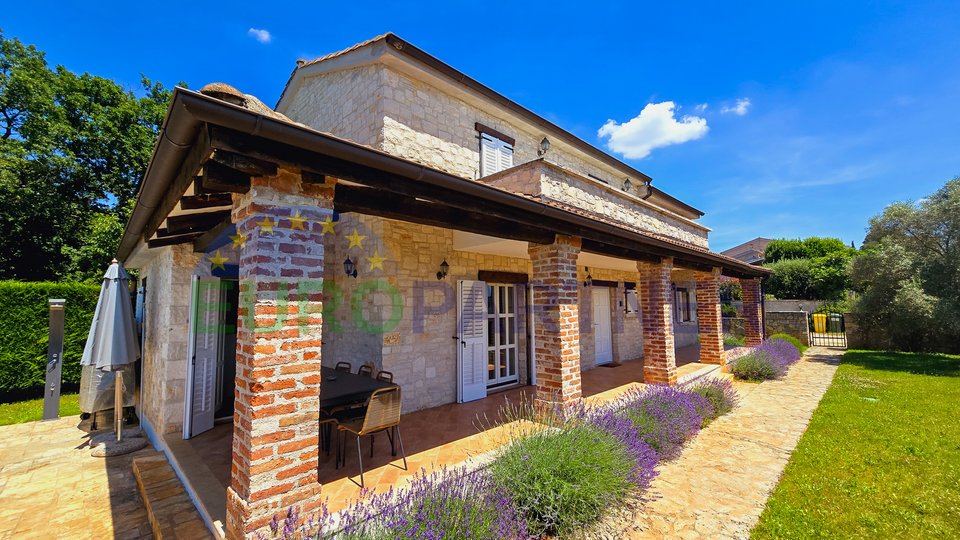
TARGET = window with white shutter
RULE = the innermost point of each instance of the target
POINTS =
(495, 154)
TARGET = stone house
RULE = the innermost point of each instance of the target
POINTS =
(392, 211)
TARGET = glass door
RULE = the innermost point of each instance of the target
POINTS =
(501, 335)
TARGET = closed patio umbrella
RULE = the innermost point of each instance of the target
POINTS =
(112, 342)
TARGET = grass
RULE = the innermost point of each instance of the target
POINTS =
(31, 410)
(881, 457)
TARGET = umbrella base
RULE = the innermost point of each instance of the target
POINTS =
(113, 448)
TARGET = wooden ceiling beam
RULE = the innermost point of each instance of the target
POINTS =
(245, 164)
(195, 222)
(217, 178)
(204, 242)
(205, 200)
(198, 154)
(172, 240)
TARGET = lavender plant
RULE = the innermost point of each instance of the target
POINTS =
(719, 393)
(664, 416)
(443, 504)
(568, 475)
(770, 360)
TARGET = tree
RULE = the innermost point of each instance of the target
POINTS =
(72, 151)
(811, 269)
(910, 277)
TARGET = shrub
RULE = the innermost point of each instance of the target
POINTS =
(770, 360)
(731, 340)
(792, 340)
(443, 504)
(756, 366)
(24, 333)
(719, 393)
(729, 310)
(568, 476)
(665, 417)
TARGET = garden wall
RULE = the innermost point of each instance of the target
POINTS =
(809, 306)
(792, 323)
(24, 333)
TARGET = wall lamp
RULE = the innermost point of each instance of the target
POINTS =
(544, 146)
(589, 281)
(350, 268)
(444, 269)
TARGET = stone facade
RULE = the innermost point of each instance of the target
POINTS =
(792, 323)
(168, 277)
(550, 182)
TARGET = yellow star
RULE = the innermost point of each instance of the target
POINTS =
(240, 240)
(267, 225)
(328, 225)
(355, 240)
(376, 261)
(296, 222)
(217, 261)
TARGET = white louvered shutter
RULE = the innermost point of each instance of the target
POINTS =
(506, 156)
(206, 352)
(471, 340)
(489, 155)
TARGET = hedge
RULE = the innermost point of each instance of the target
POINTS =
(24, 319)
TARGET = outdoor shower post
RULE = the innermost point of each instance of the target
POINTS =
(51, 394)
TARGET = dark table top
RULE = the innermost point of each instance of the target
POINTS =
(342, 388)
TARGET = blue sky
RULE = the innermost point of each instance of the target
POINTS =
(817, 114)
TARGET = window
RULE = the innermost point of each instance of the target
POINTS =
(682, 303)
(502, 350)
(495, 154)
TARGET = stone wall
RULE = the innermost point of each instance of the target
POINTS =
(809, 306)
(793, 323)
(166, 329)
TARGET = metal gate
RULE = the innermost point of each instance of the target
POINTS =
(827, 330)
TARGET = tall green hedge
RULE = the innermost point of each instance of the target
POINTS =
(24, 319)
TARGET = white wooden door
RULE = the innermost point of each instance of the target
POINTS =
(207, 324)
(471, 340)
(602, 335)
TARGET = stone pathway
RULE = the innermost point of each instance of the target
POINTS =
(51, 487)
(719, 485)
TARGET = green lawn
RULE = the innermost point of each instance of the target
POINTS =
(28, 411)
(881, 458)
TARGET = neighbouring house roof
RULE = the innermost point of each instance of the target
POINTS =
(197, 126)
(424, 58)
(750, 252)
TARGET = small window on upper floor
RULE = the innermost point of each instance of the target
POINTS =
(496, 151)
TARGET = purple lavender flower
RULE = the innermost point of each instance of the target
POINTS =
(664, 416)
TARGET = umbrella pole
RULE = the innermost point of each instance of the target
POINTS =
(118, 405)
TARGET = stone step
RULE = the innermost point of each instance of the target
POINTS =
(169, 509)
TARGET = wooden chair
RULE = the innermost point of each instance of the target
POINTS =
(383, 414)
(344, 366)
(385, 376)
(366, 370)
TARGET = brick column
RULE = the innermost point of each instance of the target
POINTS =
(708, 318)
(656, 301)
(556, 323)
(275, 432)
(752, 311)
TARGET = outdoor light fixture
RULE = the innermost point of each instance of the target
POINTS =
(350, 268)
(649, 189)
(444, 268)
(544, 146)
(627, 185)
(589, 281)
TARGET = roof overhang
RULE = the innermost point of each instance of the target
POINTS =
(200, 129)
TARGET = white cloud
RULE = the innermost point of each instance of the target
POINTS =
(655, 127)
(263, 36)
(740, 109)
(701, 107)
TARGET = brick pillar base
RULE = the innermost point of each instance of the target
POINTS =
(709, 318)
(656, 299)
(275, 432)
(556, 323)
(752, 311)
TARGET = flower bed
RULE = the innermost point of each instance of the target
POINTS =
(568, 479)
(770, 360)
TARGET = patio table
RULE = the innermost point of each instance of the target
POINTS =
(342, 388)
